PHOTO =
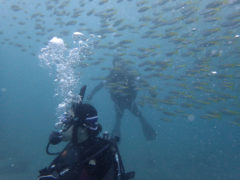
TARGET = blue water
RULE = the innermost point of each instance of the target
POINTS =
(195, 114)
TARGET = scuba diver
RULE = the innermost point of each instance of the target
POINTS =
(122, 85)
(87, 156)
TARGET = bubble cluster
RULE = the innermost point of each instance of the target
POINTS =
(64, 63)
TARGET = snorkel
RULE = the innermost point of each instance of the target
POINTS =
(56, 136)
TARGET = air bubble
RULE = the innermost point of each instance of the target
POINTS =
(64, 64)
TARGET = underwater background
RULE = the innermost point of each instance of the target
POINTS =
(186, 52)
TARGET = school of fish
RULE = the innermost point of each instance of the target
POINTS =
(186, 52)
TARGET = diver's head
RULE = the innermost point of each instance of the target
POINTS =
(81, 124)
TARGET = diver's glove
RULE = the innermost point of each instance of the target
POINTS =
(55, 137)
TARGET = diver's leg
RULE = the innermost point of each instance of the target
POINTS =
(148, 130)
(119, 113)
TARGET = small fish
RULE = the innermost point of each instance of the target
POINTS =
(208, 12)
(89, 13)
(71, 23)
(208, 43)
(231, 23)
(102, 2)
(143, 9)
(169, 35)
(141, 3)
(165, 119)
(171, 53)
(233, 15)
(211, 19)
(214, 4)
(118, 22)
(169, 113)
(187, 105)
(160, 3)
(226, 111)
(16, 8)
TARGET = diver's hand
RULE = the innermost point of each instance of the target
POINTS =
(55, 138)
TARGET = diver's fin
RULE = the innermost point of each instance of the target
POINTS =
(148, 131)
(82, 93)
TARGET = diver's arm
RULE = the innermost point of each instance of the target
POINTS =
(95, 90)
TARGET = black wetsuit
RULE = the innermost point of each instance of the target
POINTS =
(122, 88)
(94, 159)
